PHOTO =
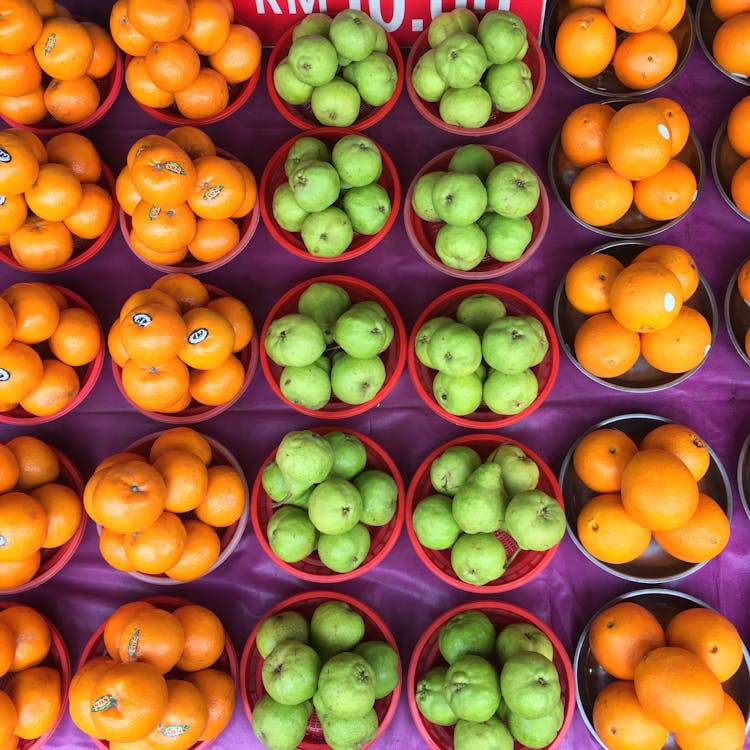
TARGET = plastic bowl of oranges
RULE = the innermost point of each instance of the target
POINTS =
(55, 345)
(722, 29)
(427, 656)
(527, 397)
(423, 234)
(737, 310)
(655, 618)
(593, 501)
(592, 166)
(729, 159)
(522, 565)
(382, 537)
(597, 55)
(305, 604)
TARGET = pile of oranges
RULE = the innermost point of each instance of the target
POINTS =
(50, 62)
(628, 157)
(738, 135)
(51, 195)
(666, 679)
(730, 45)
(175, 345)
(648, 491)
(31, 699)
(637, 310)
(160, 509)
(589, 40)
(154, 680)
(43, 339)
(184, 54)
(182, 198)
(38, 511)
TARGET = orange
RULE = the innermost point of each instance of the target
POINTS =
(27, 109)
(667, 194)
(20, 167)
(37, 696)
(219, 188)
(114, 345)
(585, 42)
(8, 719)
(645, 297)
(158, 547)
(79, 693)
(163, 174)
(677, 121)
(218, 690)
(73, 100)
(153, 636)
(164, 229)
(77, 153)
(186, 478)
(703, 537)
(229, 7)
(60, 299)
(681, 346)
(202, 548)
(32, 141)
(104, 51)
(41, 245)
(240, 317)
(170, 258)
(251, 190)
(728, 732)
(145, 143)
(620, 721)
(638, 143)
(77, 339)
(683, 443)
(115, 623)
(127, 702)
(129, 497)
(678, 261)
(730, 46)
(124, 34)
(209, 341)
(658, 490)
(621, 635)
(31, 634)
(147, 296)
(206, 97)
(19, 74)
(142, 88)
(193, 141)
(605, 348)
(155, 387)
(219, 385)
(204, 637)
(635, 15)
(582, 134)
(64, 512)
(112, 549)
(7, 323)
(17, 573)
(600, 196)
(152, 333)
(608, 533)
(184, 719)
(20, 25)
(37, 462)
(179, 405)
(9, 471)
(59, 386)
(160, 20)
(24, 524)
(213, 239)
(645, 59)
(172, 66)
(209, 26)
(127, 196)
(710, 636)
(678, 690)
(738, 126)
(743, 281)
(181, 438)
(740, 187)
(64, 49)
(239, 57)
(674, 14)
(188, 291)
(724, 9)
(7, 647)
(13, 213)
(93, 214)
(225, 497)
(118, 458)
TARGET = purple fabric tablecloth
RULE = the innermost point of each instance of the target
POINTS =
(713, 402)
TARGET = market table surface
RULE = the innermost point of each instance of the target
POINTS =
(713, 402)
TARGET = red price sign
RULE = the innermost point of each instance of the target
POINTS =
(405, 19)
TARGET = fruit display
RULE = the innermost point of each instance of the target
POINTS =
(729, 158)
(627, 169)
(498, 216)
(193, 513)
(52, 351)
(660, 664)
(320, 668)
(485, 512)
(482, 354)
(490, 673)
(646, 498)
(58, 72)
(58, 205)
(194, 60)
(159, 670)
(340, 70)
(724, 30)
(329, 503)
(182, 349)
(333, 346)
(41, 512)
(470, 73)
(621, 47)
(185, 202)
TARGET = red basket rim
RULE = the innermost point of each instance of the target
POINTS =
(258, 494)
(399, 341)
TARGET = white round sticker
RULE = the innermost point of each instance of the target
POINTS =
(669, 302)
(664, 131)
